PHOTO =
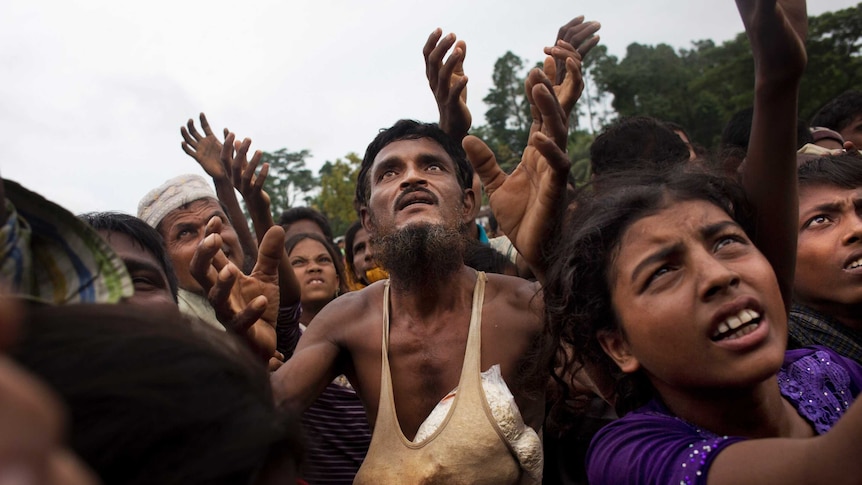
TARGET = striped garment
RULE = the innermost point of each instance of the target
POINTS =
(338, 436)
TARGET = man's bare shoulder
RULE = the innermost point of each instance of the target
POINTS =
(350, 313)
(515, 300)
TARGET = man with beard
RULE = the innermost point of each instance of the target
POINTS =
(442, 322)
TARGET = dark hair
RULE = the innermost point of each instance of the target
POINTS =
(334, 253)
(844, 171)
(636, 142)
(840, 111)
(154, 398)
(349, 237)
(410, 130)
(737, 132)
(295, 214)
(148, 237)
(578, 288)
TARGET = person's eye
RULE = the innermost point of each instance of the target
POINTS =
(728, 240)
(818, 220)
(325, 260)
(658, 273)
(143, 283)
(434, 167)
(297, 262)
(186, 233)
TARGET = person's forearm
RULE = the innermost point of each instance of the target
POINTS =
(227, 196)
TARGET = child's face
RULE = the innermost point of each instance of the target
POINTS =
(699, 304)
(829, 252)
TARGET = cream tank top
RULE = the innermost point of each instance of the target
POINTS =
(467, 448)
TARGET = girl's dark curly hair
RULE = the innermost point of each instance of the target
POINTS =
(577, 292)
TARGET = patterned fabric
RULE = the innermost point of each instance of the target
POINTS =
(807, 327)
(652, 446)
(819, 388)
(49, 255)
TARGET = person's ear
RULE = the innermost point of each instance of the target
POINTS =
(618, 349)
(365, 218)
(469, 206)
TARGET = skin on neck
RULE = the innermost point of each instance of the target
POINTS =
(431, 298)
(759, 412)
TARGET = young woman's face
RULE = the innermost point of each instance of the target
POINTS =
(315, 271)
(699, 305)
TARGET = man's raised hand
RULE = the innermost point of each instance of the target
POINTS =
(245, 304)
(448, 82)
(206, 148)
(527, 202)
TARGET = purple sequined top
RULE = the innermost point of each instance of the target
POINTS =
(651, 446)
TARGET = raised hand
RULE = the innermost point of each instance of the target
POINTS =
(448, 82)
(777, 31)
(579, 34)
(563, 66)
(234, 156)
(245, 304)
(206, 150)
(527, 202)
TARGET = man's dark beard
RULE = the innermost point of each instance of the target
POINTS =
(419, 253)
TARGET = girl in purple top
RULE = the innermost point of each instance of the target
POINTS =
(673, 298)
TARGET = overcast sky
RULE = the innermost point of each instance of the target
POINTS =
(94, 91)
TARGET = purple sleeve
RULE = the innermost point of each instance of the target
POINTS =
(649, 448)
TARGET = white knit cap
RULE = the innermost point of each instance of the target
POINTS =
(172, 194)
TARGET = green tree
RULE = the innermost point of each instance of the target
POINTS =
(508, 117)
(337, 188)
(701, 87)
(289, 181)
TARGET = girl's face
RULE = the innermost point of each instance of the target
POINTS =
(315, 271)
(698, 304)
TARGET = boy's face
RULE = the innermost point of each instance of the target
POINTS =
(829, 252)
(853, 131)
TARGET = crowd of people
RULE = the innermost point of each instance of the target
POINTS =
(687, 317)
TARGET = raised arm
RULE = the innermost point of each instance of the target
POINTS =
(234, 156)
(318, 358)
(448, 82)
(776, 30)
(206, 150)
(528, 202)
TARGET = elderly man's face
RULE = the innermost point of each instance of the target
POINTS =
(185, 227)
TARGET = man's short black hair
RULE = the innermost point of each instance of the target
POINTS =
(295, 214)
(410, 130)
(839, 112)
(148, 237)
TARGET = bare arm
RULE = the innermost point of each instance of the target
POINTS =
(206, 151)
(831, 458)
(776, 30)
(317, 360)
(249, 182)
